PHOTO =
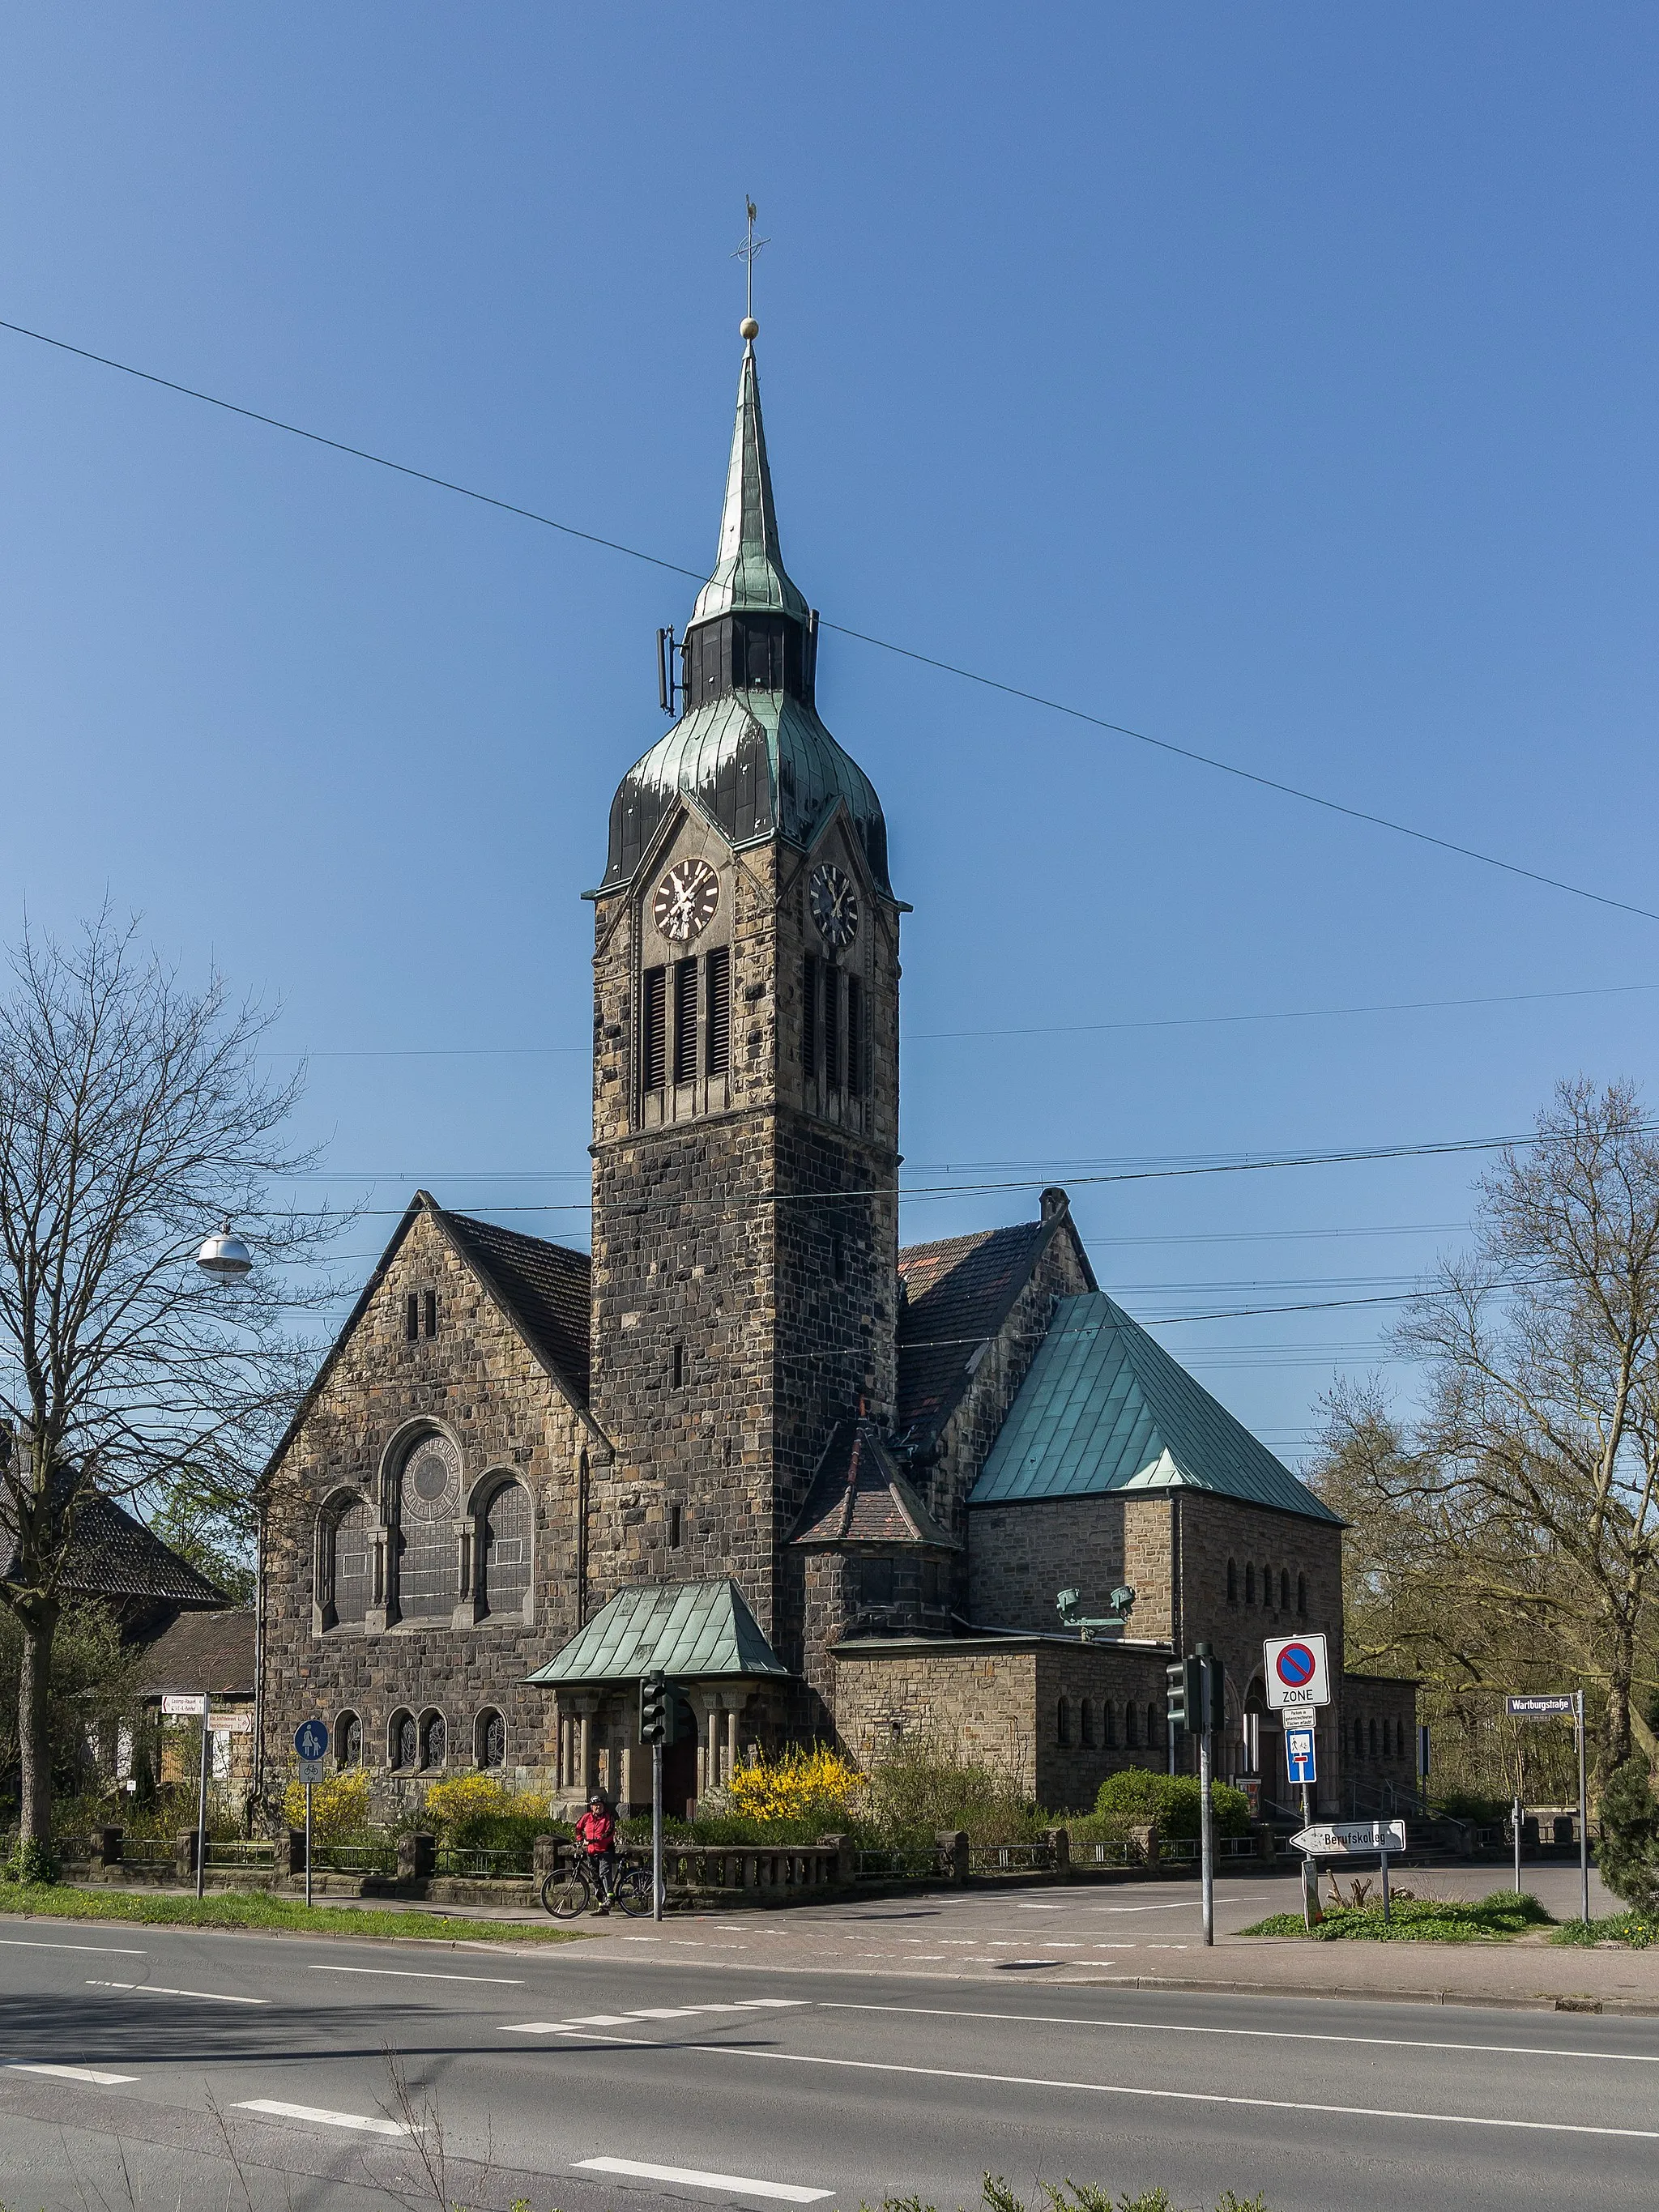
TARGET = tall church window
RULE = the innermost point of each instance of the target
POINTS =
(489, 1739)
(1152, 1726)
(1086, 1724)
(1284, 1590)
(435, 1740)
(1267, 1585)
(1108, 1725)
(353, 1539)
(855, 1042)
(429, 1308)
(403, 1743)
(348, 1741)
(1131, 1732)
(1302, 1593)
(428, 1498)
(654, 1029)
(718, 981)
(685, 1021)
(809, 1016)
(1249, 1583)
(832, 1027)
(1232, 1582)
(505, 1577)
(1063, 1721)
(876, 1582)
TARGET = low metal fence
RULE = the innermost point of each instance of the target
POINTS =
(380, 1857)
(482, 1866)
(1010, 1858)
(228, 1854)
(917, 1863)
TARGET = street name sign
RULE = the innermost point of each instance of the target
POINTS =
(1544, 1708)
(1295, 1670)
(1338, 1838)
(1299, 1757)
(183, 1702)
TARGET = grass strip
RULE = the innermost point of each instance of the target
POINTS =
(1632, 1929)
(258, 1909)
(1498, 1918)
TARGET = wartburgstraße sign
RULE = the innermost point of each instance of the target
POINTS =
(1541, 1708)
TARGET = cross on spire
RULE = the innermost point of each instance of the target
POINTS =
(746, 253)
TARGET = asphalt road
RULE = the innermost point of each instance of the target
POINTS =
(163, 2068)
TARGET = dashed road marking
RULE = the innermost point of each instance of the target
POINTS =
(160, 1989)
(364, 2123)
(70, 2073)
(648, 2013)
(419, 1974)
(734, 2183)
(105, 1950)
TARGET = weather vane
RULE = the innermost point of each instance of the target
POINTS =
(746, 253)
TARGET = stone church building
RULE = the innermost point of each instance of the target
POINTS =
(832, 1488)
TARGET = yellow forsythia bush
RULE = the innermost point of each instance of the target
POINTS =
(339, 1806)
(468, 1797)
(799, 1783)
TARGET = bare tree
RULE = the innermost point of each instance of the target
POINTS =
(1532, 1483)
(133, 1119)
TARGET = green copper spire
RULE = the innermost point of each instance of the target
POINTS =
(749, 571)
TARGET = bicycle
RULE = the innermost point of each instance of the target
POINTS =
(574, 1889)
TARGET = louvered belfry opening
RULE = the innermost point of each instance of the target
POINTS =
(654, 1029)
(809, 1016)
(685, 1021)
(832, 1027)
(855, 1036)
(752, 651)
(719, 1011)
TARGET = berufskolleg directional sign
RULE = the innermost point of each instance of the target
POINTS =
(1336, 1839)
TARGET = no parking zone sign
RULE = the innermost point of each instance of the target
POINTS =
(1295, 1670)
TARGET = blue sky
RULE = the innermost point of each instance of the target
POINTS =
(1276, 381)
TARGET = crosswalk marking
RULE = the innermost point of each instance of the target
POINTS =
(647, 2012)
(70, 2073)
(735, 2184)
(364, 2122)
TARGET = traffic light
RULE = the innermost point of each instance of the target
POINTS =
(1218, 1693)
(1176, 1675)
(657, 1705)
(1189, 1706)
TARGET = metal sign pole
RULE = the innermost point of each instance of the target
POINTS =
(1206, 1819)
(201, 1801)
(1584, 1810)
(1515, 1810)
(1385, 1889)
(1312, 1913)
(307, 1847)
(656, 1832)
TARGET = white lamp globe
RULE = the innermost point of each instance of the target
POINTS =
(225, 1255)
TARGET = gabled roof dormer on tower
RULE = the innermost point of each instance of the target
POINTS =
(748, 747)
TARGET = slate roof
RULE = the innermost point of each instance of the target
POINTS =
(111, 1555)
(211, 1651)
(692, 1631)
(858, 1495)
(544, 1287)
(958, 1292)
(1104, 1407)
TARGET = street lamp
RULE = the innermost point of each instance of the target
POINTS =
(225, 1255)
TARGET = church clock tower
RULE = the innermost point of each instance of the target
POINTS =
(746, 1092)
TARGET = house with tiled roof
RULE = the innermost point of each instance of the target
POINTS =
(835, 1488)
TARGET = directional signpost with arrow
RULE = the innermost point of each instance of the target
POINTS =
(1336, 1839)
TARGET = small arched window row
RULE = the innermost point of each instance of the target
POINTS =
(1285, 1587)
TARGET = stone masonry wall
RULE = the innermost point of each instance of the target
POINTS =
(478, 1383)
(1001, 1703)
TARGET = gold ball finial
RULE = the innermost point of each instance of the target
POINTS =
(749, 328)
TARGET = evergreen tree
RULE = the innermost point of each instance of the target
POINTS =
(1628, 1856)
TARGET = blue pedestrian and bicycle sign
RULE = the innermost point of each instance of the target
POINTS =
(1299, 1757)
(311, 1739)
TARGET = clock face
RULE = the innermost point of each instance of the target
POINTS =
(686, 899)
(834, 899)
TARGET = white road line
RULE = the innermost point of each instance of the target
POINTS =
(654, 2012)
(364, 2122)
(159, 1989)
(734, 2183)
(105, 1950)
(419, 1974)
(600, 2020)
(1173, 2096)
(70, 2073)
(1263, 2034)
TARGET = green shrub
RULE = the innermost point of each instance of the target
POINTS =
(1498, 1919)
(918, 1789)
(1138, 1797)
(1635, 1928)
(1467, 1805)
(31, 1862)
(1627, 1857)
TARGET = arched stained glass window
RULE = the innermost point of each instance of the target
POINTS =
(435, 1740)
(352, 1538)
(403, 1742)
(504, 1583)
(429, 1498)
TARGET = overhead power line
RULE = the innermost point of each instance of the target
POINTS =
(863, 637)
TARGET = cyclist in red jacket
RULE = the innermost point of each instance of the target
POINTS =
(596, 1831)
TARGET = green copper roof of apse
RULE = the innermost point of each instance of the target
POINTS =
(749, 571)
(692, 1631)
(1104, 1407)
